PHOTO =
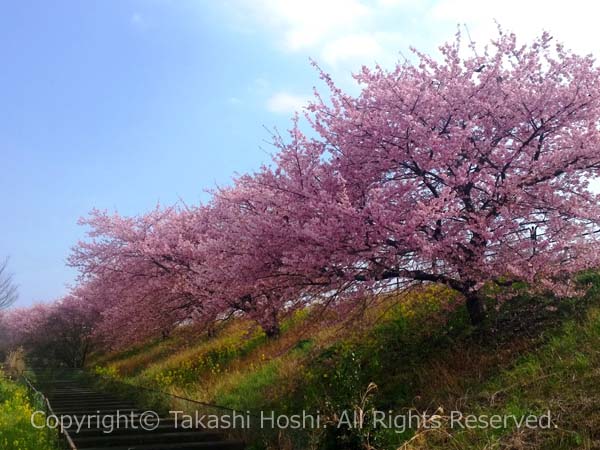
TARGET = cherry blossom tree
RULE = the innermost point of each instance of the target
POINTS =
(137, 272)
(59, 332)
(473, 169)
(279, 239)
(468, 170)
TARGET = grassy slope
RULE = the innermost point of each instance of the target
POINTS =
(536, 354)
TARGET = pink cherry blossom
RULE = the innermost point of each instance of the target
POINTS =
(466, 170)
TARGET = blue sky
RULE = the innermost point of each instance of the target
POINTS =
(120, 104)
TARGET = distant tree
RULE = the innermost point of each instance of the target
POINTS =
(4, 336)
(58, 333)
(8, 289)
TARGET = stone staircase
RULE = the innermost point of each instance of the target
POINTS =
(135, 430)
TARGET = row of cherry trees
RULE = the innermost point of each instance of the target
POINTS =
(463, 171)
(51, 332)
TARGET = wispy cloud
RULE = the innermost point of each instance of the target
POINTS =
(343, 35)
(351, 47)
(286, 102)
(354, 50)
(343, 32)
(306, 24)
(138, 21)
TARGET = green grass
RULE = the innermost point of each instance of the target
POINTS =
(535, 353)
(251, 388)
(16, 430)
(562, 376)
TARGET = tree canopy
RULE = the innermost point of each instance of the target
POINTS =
(470, 169)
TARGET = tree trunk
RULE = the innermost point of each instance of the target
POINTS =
(272, 331)
(476, 309)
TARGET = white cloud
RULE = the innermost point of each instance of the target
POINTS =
(362, 48)
(342, 35)
(306, 24)
(286, 102)
(392, 3)
(574, 23)
(343, 32)
(355, 50)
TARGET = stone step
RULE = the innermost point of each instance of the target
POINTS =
(57, 404)
(135, 413)
(75, 395)
(216, 445)
(145, 438)
(161, 428)
(105, 411)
